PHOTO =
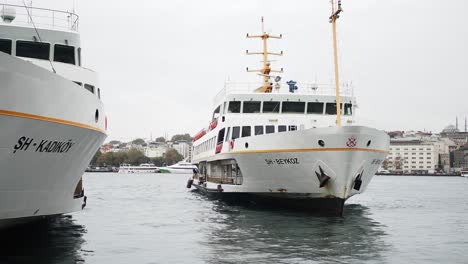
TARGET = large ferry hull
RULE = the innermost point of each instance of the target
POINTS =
(293, 168)
(49, 133)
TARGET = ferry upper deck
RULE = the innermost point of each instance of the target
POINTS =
(47, 38)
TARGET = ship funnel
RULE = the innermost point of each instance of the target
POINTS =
(8, 14)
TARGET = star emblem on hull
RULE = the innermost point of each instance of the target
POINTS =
(322, 177)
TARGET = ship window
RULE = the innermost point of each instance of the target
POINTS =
(293, 107)
(315, 108)
(235, 132)
(99, 93)
(292, 128)
(234, 107)
(216, 112)
(330, 109)
(65, 54)
(89, 87)
(281, 128)
(269, 129)
(221, 136)
(79, 56)
(246, 131)
(251, 107)
(35, 50)
(258, 130)
(348, 109)
(5, 46)
(228, 133)
(271, 107)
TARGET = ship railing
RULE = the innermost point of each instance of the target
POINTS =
(283, 88)
(39, 17)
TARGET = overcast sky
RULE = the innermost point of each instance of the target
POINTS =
(162, 62)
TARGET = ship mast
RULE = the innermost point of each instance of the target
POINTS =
(266, 70)
(335, 15)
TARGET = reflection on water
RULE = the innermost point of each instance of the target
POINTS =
(53, 240)
(239, 234)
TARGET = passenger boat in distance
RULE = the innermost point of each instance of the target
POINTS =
(52, 118)
(290, 144)
(181, 167)
(464, 172)
(142, 168)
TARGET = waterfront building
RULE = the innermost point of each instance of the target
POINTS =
(155, 150)
(459, 158)
(183, 147)
(412, 155)
(453, 133)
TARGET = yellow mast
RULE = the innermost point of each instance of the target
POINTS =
(266, 70)
(335, 15)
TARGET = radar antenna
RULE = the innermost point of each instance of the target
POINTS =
(266, 70)
(335, 15)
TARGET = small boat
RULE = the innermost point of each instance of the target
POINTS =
(464, 173)
(182, 167)
(142, 168)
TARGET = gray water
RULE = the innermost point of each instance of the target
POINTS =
(153, 218)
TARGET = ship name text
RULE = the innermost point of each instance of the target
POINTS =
(288, 161)
(43, 145)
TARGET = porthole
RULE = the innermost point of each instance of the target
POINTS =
(321, 143)
(369, 143)
(96, 116)
(246, 145)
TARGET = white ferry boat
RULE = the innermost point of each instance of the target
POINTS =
(464, 173)
(142, 168)
(181, 167)
(294, 145)
(51, 116)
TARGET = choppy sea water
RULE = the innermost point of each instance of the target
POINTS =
(153, 218)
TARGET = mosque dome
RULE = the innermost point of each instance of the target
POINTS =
(450, 129)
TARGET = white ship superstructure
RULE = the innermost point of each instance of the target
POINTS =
(52, 119)
(284, 143)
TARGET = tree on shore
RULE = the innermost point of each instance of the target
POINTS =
(158, 161)
(96, 157)
(136, 157)
(181, 137)
(172, 156)
(115, 159)
(161, 139)
(139, 141)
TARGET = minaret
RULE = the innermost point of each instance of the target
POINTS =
(456, 122)
(465, 125)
